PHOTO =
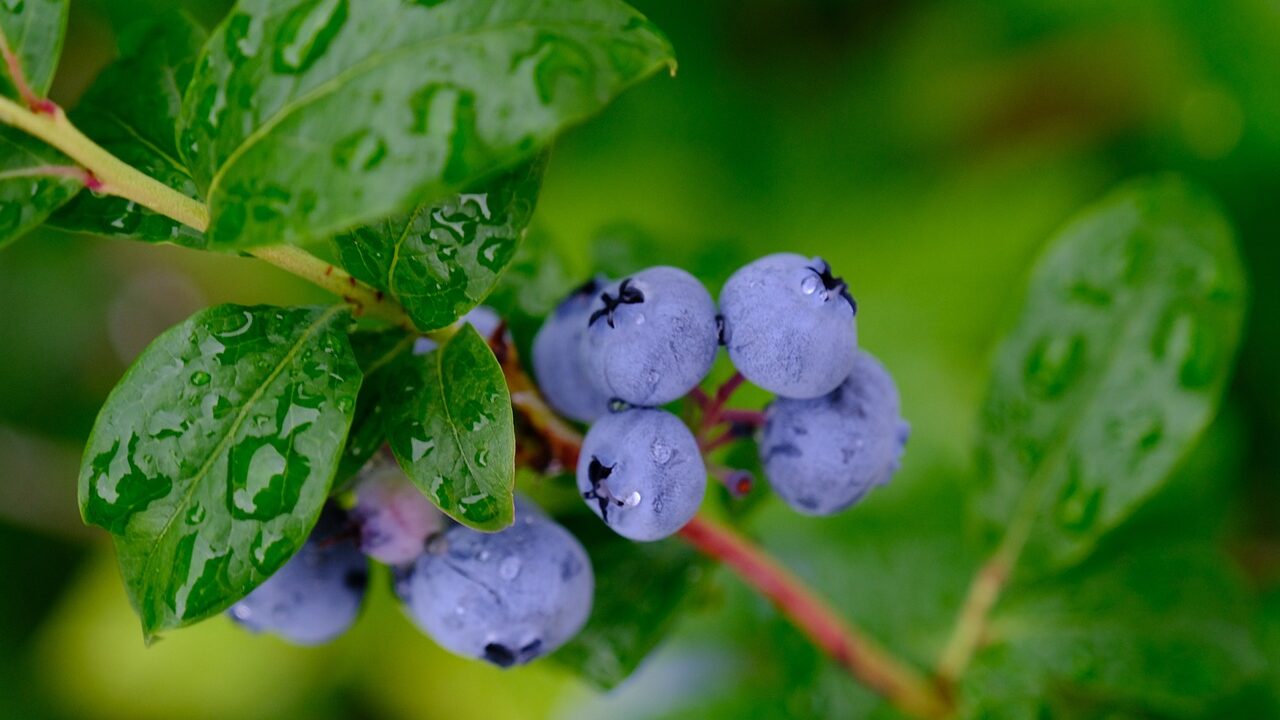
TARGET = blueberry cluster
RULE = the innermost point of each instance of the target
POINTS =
(507, 597)
(613, 352)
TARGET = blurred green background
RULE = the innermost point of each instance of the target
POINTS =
(928, 149)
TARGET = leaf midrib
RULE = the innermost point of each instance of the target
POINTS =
(232, 429)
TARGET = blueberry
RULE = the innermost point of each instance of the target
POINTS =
(824, 454)
(640, 470)
(789, 325)
(557, 357)
(507, 597)
(651, 337)
(395, 518)
(315, 596)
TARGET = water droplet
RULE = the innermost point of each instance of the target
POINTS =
(362, 150)
(811, 284)
(660, 452)
(1078, 505)
(509, 568)
(1187, 340)
(484, 556)
(1054, 364)
(632, 500)
(196, 514)
(345, 404)
(200, 378)
(306, 34)
(420, 448)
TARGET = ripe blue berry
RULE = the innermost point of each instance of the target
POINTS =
(395, 518)
(558, 362)
(640, 470)
(315, 596)
(507, 597)
(789, 325)
(824, 454)
(651, 337)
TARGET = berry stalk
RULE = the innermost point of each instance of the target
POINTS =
(910, 691)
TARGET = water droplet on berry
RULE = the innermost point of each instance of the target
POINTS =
(632, 500)
(811, 284)
(509, 568)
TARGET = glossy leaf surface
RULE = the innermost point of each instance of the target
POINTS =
(211, 459)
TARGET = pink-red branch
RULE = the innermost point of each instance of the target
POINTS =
(909, 690)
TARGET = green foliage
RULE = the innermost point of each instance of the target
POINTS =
(375, 352)
(1164, 629)
(28, 194)
(1117, 362)
(153, 71)
(414, 136)
(444, 258)
(35, 30)
(309, 117)
(449, 421)
(212, 458)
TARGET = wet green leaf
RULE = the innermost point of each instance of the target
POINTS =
(1165, 628)
(35, 30)
(443, 259)
(1116, 365)
(132, 111)
(28, 194)
(641, 590)
(450, 425)
(375, 351)
(211, 459)
(310, 117)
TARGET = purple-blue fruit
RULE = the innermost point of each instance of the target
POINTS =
(824, 454)
(316, 596)
(651, 337)
(640, 470)
(507, 597)
(558, 357)
(789, 325)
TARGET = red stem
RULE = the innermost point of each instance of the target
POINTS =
(857, 653)
(910, 691)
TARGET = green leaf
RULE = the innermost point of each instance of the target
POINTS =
(35, 30)
(536, 280)
(450, 425)
(1165, 628)
(444, 258)
(307, 118)
(1116, 365)
(212, 458)
(132, 111)
(29, 191)
(375, 351)
(641, 590)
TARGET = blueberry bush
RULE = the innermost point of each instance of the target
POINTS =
(539, 465)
